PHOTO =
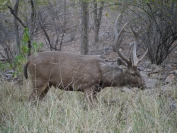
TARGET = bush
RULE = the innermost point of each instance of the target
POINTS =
(160, 29)
(19, 60)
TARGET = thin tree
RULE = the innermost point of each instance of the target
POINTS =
(84, 27)
(97, 15)
(16, 25)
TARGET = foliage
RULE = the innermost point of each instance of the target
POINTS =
(158, 20)
(160, 29)
(3, 4)
(20, 59)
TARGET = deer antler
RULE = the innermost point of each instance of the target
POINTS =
(135, 58)
(117, 39)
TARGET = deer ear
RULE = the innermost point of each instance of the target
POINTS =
(121, 62)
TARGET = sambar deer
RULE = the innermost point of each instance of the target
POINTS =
(85, 73)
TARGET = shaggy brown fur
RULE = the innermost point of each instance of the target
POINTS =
(88, 74)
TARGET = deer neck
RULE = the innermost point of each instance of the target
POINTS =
(111, 75)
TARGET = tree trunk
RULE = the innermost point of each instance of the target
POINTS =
(32, 26)
(97, 15)
(84, 27)
(64, 16)
(17, 47)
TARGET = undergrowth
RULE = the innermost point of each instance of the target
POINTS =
(67, 112)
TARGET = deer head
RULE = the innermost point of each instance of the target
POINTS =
(131, 63)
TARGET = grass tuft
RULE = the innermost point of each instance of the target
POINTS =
(117, 112)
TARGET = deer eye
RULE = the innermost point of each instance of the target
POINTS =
(133, 74)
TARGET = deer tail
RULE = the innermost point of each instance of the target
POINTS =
(25, 73)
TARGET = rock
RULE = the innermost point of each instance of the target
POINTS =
(173, 105)
(169, 78)
(165, 87)
(147, 65)
(151, 83)
(155, 75)
(148, 70)
(140, 68)
(120, 49)
(168, 66)
(158, 69)
(126, 89)
(2, 59)
(8, 75)
(154, 66)
(175, 73)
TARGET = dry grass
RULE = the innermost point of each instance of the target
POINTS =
(67, 112)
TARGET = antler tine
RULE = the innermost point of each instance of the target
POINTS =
(135, 58)
(143, 55)
(116, 24)
(117, 38)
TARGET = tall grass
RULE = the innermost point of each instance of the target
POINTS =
(67, 112)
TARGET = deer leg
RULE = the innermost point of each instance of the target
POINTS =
(95, 97)
(38, 91)
(89, 96)
(43, 94)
